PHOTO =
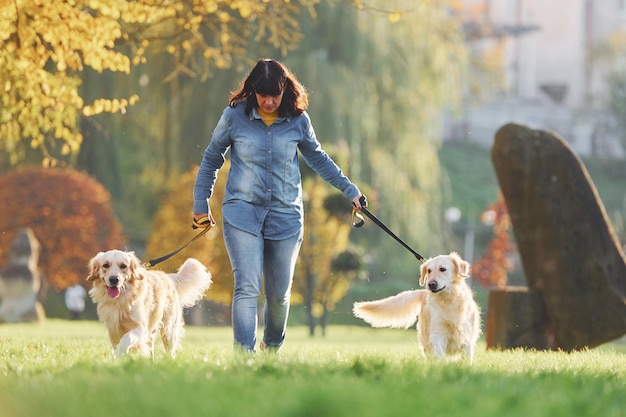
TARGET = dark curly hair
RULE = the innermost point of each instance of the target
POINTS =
(270, 77)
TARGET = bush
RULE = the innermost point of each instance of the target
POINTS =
(70, 214)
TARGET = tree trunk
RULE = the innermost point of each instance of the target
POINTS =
(324, 321)
(308, 300)
(516, 317)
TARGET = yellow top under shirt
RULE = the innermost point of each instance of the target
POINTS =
(268, 118)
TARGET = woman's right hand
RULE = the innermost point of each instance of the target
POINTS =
(202, 220)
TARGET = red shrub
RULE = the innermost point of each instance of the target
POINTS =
(68, 211)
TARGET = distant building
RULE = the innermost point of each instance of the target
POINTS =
(553, 73)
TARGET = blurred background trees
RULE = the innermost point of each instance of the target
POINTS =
(129, 93)
(325, 270)
(492, 269)
(379, 86)
(172, 229)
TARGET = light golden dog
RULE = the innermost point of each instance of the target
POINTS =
(135, 303)
(449, 318)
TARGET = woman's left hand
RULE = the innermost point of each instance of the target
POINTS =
(359, 202)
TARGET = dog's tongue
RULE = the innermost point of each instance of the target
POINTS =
(113, 292)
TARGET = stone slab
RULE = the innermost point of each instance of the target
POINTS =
(569, 250)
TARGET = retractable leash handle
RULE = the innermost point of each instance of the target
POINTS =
(355, 213)
(201, 223)
(358, 223)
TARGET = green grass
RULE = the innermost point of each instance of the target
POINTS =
(63, 368)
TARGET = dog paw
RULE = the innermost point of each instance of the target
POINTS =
(120, 351)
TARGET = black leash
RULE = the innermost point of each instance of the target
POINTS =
(203, 223)
(356, 213)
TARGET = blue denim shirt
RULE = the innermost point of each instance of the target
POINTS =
(264, 188)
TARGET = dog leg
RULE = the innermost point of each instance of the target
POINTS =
(138, 338)
(151, 340)
(438, 345)
(171, 340)
(421, 350)
(469, 352)
(122, 347)
(173, 331)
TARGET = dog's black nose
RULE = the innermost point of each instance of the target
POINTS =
(113, 281)
(432, 285)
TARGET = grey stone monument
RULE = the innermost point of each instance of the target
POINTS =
(20, 281)
(572, 259)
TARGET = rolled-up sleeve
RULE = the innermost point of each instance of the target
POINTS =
(212, 161)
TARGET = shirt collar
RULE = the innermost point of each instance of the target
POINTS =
(255, 115)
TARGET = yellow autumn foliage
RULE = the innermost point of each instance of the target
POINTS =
(46, 45)
(172, 229)
(326, 236)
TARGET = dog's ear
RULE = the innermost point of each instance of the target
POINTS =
(94, 267)
(463, 268)
(423, 272)
(136, 271)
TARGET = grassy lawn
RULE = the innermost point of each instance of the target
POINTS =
(63, 368)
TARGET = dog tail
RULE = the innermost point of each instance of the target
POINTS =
(398, 311)
(192, 280)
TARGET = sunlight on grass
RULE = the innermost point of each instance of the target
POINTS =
(66, 369)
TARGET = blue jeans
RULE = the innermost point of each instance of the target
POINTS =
(253, 258)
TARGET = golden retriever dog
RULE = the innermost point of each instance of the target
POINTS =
(135, 303)
(448, 318)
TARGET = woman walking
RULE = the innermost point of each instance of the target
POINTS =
(264, 126)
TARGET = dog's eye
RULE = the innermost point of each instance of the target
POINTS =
(429, 270)
(106, 265)
(442, 269)
(123, 266)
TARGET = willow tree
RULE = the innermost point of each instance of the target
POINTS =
(379, 79)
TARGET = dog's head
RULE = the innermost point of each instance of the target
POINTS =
(115, 269)
(442, 271)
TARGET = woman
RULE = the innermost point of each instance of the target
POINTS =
(264, 126)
